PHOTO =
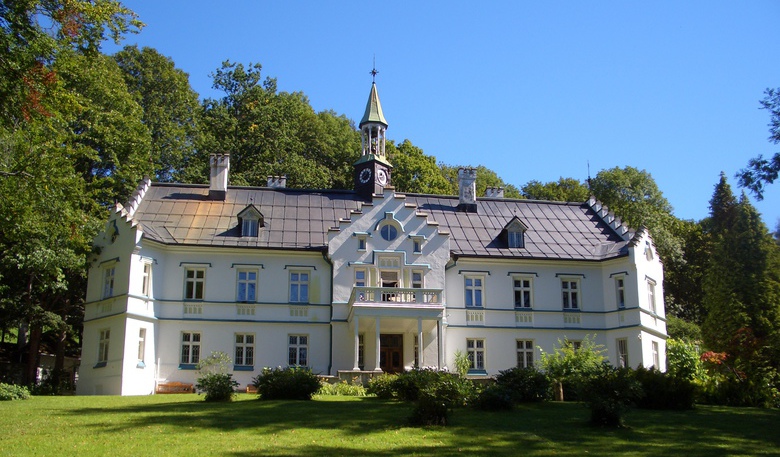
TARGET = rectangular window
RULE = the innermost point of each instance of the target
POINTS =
(190, 348)
(651, 295)
(525, 353)
(249, 227)
(417, 246)
(361, 243)
(299, 287)
(620, 289)
(245, 349)
(247, 286)
(475, 348)
(105, 336)
(571, 293)
(298, 350)
(141, 344)
(622, 352)
(108, 282)
(515, 239)
(417, 279)
(473, 286)
(146, 284)
(656, 356)
(523, 293)
(360, 277)
(194, 283)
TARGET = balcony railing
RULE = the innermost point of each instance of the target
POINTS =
(396, 296)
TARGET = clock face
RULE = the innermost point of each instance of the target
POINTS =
(365, 175)
(381, 176)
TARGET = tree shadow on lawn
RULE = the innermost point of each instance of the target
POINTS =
(357, 416)
(539, 429)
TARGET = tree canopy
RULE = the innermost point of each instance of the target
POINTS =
(761, 171)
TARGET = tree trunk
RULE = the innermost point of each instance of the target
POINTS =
(59, 358)
(32, 356)
(558, 391)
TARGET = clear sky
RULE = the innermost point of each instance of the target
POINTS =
(532, 90)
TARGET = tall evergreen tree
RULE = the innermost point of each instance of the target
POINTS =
(742, 292)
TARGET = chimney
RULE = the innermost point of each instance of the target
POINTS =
(277, 182)
(467, 183)
(494, 192)
(218, 177)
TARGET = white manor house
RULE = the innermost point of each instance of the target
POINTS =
(362, 281)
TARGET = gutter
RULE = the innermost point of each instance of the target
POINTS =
(330, 305)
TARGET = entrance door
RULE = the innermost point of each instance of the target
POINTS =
(391, 350)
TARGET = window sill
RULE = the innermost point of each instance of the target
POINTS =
(243, 368)
(141, 364)
(188, 366)
(477, 373)
(100, 365)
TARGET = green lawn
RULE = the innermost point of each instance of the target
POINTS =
(164, 425)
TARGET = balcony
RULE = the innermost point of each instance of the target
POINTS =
(396, 297)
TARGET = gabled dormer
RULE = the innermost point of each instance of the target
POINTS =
(513, 233)
(250, 220)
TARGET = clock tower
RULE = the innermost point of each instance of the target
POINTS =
(372, 170)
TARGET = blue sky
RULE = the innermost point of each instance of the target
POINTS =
(532, 90)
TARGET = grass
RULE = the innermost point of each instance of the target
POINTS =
(163, 425)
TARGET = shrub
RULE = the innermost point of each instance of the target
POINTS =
(218, 386)
(293, 383)
(382, 386)
(524, 384)
(683, 360)
(664, 391)
(342, 388)
(609, 395)
(496, 397)
(462, 363)
(215, 380)
(13, 392)
(433, 405)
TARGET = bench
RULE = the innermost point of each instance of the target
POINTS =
(175, 388)
(250, 389)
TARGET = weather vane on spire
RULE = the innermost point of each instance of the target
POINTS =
(374, 72)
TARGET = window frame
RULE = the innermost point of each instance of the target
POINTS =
(146, 279)
(104, 344)
(250, 227)
(192, 341)
(651, 296)
(656, 354)
(392, 231)
(473, 292)
(620, 291)
(515, 238)
(523, 290)
(415, 283)
(571, 296)
(191, 283)
(357, 281)
(109, 278)
(525, 353)
(300, 285)
(244, 351)
(621, 350)
(141, 347)
(476, 351)
(246, 282)
(299, 348)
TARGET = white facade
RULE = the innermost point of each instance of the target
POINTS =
(348, 283)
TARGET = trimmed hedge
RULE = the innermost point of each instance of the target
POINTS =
(293, 383)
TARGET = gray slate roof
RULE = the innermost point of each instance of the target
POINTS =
(299, 219)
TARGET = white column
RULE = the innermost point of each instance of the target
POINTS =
(378, 368)
(420, 342)
(440, 338)
(357, 344)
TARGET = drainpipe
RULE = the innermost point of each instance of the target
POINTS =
(330, 306)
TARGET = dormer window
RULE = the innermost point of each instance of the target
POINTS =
(249, 221)
(514, 233)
